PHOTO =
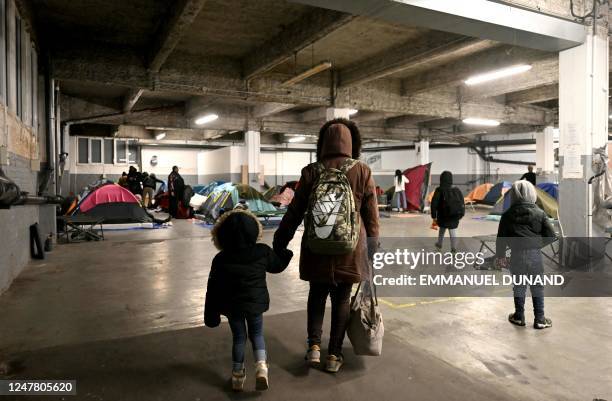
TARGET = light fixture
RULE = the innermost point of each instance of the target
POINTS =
(497, 74)
(352, 111)
(206, 119)
(296, 139)
(610, 116)
(325, 65)
(160, 136)
(481, 121)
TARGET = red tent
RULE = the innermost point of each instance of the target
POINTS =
(114, 204)
(416, 189)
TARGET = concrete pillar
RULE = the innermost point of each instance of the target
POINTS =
(333, 112)
(545, 154)
(252, 141)
(583, 124)
(422, 149)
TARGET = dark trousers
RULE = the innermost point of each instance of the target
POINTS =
(528, 262)
(340, 295)
(239, 337)
(173, 207)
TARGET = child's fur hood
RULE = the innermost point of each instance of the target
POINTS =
(236, 229)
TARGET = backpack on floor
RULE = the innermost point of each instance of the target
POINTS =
(453, 204)
(332, 219)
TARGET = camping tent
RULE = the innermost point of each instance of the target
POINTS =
(544, 201)
(479, 193)
(416, 189)
(226, 196)
(496, 192)
(550, 188)
(113, 203)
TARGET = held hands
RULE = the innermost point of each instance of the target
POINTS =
(501, 263)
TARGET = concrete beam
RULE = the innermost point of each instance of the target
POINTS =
(543, 72)
(316, 114)
(311, 28)
(535, 95)
(268, 109)
(432, 47)
(218, 78)
(131, 98)
(483, 19)
(183, 13)
(454, 74)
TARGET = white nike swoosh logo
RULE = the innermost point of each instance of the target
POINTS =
(324, 231)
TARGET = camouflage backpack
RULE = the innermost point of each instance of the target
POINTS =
(332, 219)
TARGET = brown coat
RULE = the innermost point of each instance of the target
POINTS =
(348, 268)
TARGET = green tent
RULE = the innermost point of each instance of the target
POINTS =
(544, 201)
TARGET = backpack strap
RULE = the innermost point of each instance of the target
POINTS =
(347, 165)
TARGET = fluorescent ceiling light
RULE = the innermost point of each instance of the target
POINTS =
(297, 139)
(497, 74)
(325, 65)
(206, 119)
(481, 121)
(160, 136)
(352, 111)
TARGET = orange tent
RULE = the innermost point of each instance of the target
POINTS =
(479, 192)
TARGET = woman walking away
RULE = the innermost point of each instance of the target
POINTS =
(447, 208)
(525, 229)
(237, 289)
(400, 181)
(337, 197)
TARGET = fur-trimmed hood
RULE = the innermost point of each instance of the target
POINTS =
(236, 229)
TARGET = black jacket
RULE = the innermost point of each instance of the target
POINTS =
(151, 182)
(237, 281)
(437, 202)
(523, 226)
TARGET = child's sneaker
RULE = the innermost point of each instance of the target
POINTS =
(516, 319)
(438, 246)
(542, 323)
(334, 363)
(313, 355)
(261, 376)
(238, 379)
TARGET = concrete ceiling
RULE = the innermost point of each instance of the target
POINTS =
(232, 55)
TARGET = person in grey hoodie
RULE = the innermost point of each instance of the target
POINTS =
(525, 229)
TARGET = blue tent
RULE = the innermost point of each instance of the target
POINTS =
(496, 192)
(550, 188)
(206, 189)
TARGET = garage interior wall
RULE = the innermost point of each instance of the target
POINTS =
(22, 135)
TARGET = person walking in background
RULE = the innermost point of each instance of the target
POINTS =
(447, 208)
(338, 147)
(123, 180)
(176, 186)
(237, 289)
(149, 183)
(400, 181)
(134, 181)
(525, 229)
(529, 175)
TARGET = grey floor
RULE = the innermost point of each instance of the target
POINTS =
(124, 318)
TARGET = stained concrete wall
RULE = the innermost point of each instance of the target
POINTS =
(21, 139)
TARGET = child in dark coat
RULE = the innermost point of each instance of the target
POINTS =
(237, 289)
(447, 208)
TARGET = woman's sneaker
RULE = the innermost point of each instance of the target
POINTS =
(516, 319)
(334, 363)
(238, 379)
(261, 376)
(313, 355)
(542, 323)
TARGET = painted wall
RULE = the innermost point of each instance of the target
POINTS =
(22, 131)
(185, 159)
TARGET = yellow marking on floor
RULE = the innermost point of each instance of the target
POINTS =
(433, 301)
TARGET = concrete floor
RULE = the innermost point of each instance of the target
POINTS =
(123, 317)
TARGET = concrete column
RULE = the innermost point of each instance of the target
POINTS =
(583, 124)
(252, 141)
(545, 154)
(422, 149)
(333, 112)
